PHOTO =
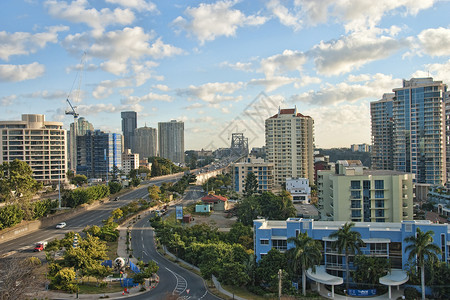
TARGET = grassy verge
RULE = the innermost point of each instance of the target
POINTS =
(92, 288)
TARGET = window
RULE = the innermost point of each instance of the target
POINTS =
(355, 185)
(379, 194)
(355, 195)
(264, 242)
(379, 184)
(280, 245)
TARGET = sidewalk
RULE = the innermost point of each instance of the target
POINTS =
(327, 294)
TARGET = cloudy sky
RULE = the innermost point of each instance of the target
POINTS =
(219, 66)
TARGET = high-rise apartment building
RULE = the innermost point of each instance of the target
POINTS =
(97, 153)
(129, 124)
(39, 143)
(130, 161)
(382, 132)
(171, 140)
(290, 145)
(145, 142)
(83, 126)
(419, 130)
(352, 193)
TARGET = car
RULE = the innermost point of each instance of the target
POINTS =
(61, 225)
(116, 199)
(40, 246)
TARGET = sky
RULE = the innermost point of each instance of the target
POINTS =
(220, 66)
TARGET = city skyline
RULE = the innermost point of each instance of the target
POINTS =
(205, 63)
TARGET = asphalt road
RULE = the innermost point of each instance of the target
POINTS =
(174, 280)
(23, 246)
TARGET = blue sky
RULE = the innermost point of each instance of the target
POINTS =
(219, 66)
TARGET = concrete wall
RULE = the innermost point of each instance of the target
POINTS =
(203, 177)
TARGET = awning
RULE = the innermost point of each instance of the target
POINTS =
(322, 276)
(395, 277)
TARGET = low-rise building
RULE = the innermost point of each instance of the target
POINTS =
(217, 202)
(351, 192)
(380, 240)
(262, 170)
(299, 189)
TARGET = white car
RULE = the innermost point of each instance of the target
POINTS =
(61, 225)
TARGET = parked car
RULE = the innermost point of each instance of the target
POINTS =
(40, 246)
(61, 225)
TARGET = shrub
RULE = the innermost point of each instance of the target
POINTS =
(411, 293)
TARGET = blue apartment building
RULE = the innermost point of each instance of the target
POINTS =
(381, 239)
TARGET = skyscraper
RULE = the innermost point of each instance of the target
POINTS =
(39, 143)
(419, 138)
(171, 140)
(129, 124)
(83, 126)
(98, 152)
(145, 142)
(290, 145)
(382, 132)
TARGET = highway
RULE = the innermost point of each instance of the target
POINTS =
(23, 246)
(174, 280)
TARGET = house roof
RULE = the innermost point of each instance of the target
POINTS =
(214, 198)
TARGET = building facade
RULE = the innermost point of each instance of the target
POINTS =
(352, 193)
(381, 240)
(361, 148)
(129, 124)
(97, 154)
(290, 145)
(262, 170)
(82, 126)
(145, 142)
(419, 130)
(171, 141)
(130, 161)
(299, 189)
(39, 143)
(381, 113)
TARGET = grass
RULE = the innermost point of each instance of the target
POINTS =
(112, 250)
(92, 288)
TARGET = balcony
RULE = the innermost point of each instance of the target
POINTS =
(405, 214)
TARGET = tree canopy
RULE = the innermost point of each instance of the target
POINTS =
(16, 181)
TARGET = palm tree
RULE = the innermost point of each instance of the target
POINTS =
(306, 254)
(347, 242)
(422, 248)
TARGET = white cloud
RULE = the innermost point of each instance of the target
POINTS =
(162, 87)
(139, 5)
(8, 100)
(54, 95)
(329, 124)
(343, 92)
(435, 41)
(147, 97)
(353, 51)
(120, 46)
(358, 78)
(94, 109)
(212, 92)
(240, 66)
(287, 61)
(209, 21)
(195, 105)
(78, 12)
(437, 71)
(273, 83)
(24, 43)
(306, 80)
(106, 87)
(14, 73)
(284, 15)
(357, 14)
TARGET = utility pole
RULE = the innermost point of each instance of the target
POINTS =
(280, 273)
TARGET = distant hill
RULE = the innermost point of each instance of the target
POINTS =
(346, 154)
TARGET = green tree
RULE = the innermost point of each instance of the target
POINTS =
(305, 254)
(347, 242)
(117, 214)
(421, 248)
(268, 266)
(369, 269)
(248, 210)
(10, 215)
(154, 192)
(16, 181)
(79, 180)
(63, 280)
(250, 184)
(114, 187)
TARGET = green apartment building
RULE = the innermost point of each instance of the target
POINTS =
(351, 192)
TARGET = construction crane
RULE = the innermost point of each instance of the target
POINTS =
(72, 111)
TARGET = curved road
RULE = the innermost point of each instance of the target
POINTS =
(24, 245)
